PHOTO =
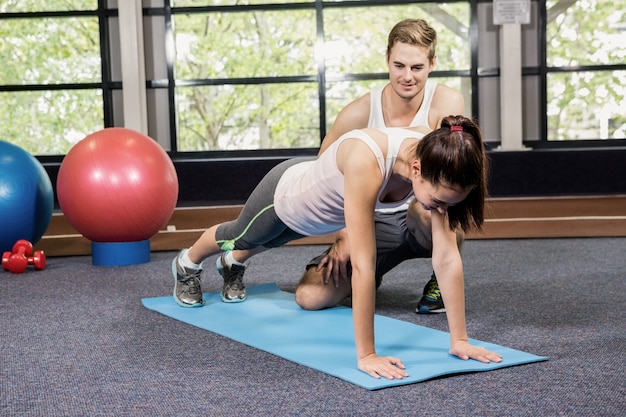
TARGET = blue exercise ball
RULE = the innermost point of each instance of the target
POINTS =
(26, 197)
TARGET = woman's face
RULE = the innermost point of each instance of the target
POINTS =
(435, 197)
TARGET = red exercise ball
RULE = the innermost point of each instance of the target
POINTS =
(117, 185)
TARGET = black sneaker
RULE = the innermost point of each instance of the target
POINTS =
(431, 301)
(187, 289)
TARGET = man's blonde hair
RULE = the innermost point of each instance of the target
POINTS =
(413, 32)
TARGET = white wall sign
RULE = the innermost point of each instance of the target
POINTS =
(511, 12)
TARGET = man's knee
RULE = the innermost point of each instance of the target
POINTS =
(307, 298)
(308, 289)
(313, 294)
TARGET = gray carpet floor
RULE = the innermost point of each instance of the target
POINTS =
(75, 340)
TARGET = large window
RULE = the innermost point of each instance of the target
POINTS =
(276, 77)
(248, 75)
(355, 42)
(586, 83)
(237, 66)
(50, 79)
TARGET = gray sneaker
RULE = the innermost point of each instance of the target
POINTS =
(233, 290)
(187, 289)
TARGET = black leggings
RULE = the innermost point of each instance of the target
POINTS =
(258, 224)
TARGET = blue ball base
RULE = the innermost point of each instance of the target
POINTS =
(120, 253)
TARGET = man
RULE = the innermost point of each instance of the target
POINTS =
(409, 99)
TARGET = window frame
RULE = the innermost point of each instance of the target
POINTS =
(475, 74)
(106, 84)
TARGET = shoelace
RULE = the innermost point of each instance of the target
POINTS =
(193, 288)
(433, 291)
(235, 281)
(193, 279)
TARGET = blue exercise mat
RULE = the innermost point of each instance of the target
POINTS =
(271, 320)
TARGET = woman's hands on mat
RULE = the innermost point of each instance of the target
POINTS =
(465, 350)
(393, 368)
(382, 366)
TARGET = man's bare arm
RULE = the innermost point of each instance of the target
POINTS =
(354, 116)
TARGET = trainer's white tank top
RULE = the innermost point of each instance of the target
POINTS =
(309, 197)
(421, 118)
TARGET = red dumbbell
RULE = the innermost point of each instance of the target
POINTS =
(18, 260)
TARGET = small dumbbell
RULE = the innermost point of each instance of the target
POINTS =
(18, 260)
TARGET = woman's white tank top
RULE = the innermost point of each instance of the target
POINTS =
(309, 197)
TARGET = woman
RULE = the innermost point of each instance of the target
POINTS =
(446, 172)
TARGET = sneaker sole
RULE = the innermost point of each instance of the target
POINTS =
(425, 310)
(180, 303)
(233, 300)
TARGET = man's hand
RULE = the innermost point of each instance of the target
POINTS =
(336, 262)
